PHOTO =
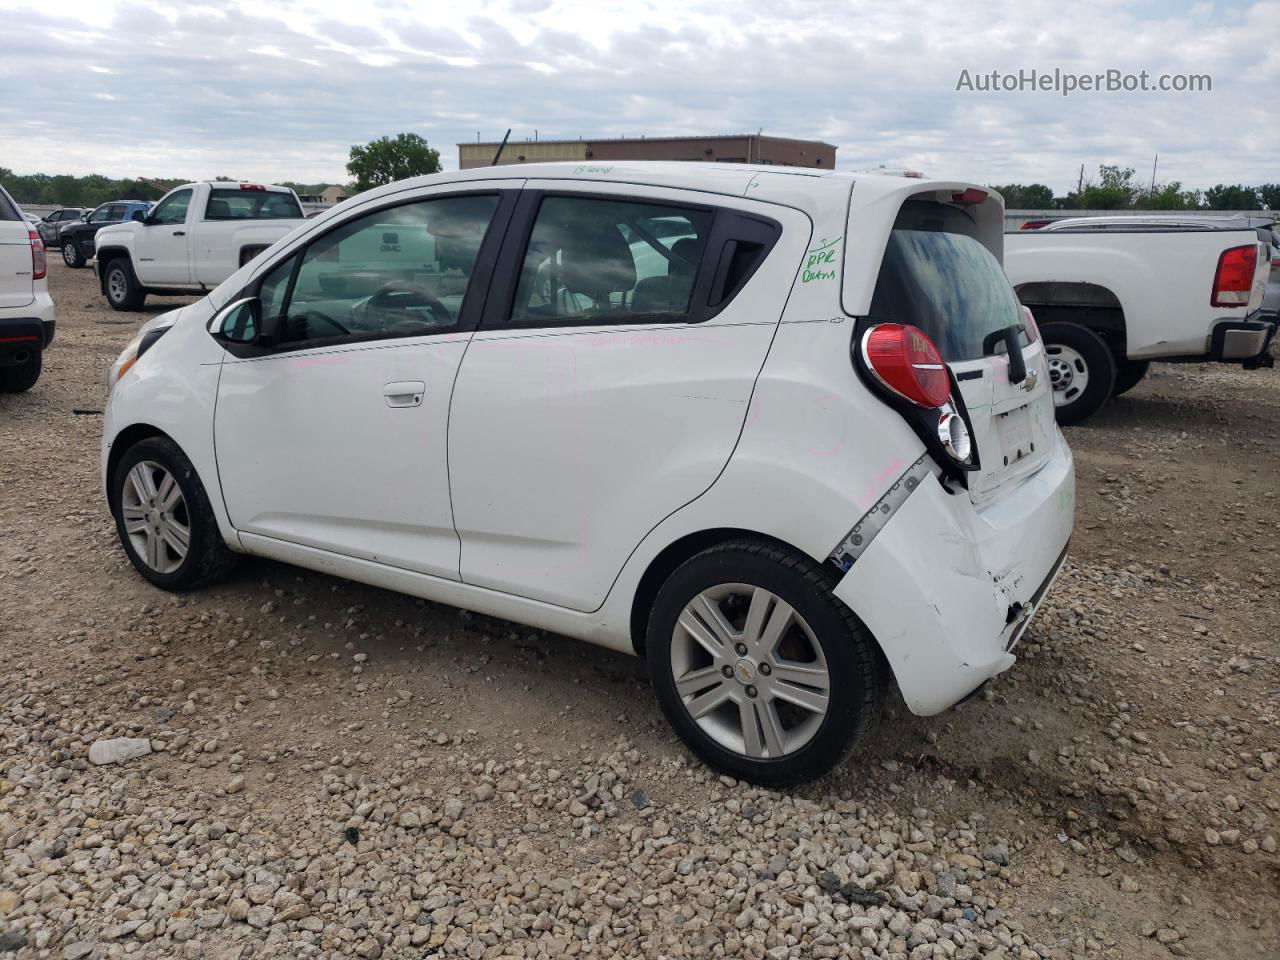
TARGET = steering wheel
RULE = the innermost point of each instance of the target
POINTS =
(399, 295)
(307, 317)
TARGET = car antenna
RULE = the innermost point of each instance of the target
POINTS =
(501, 146)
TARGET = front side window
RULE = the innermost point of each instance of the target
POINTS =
(609, 261)
(116, 212)
(101, 214)
(939, 277)
(173, 208)
(237, 204)
(401, 272)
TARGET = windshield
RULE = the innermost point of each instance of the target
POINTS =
(252, 205)
(938, 277)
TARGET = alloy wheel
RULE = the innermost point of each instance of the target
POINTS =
(749, 671)
(155, 516)
(117, 285)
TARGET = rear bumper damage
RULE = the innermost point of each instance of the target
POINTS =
(948, 589)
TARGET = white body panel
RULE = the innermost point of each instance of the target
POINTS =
(198, 254)
(1162, 280)
(568, 445)
(17, 289)
(577, 456)
(310, 451)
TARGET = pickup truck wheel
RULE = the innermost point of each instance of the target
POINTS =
(1129, 374)
(23, 376)
(164, 518)
(71, 254)
(1082, 370)
(122, 287)
(760, 669)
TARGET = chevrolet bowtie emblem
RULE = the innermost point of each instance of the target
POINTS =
(1029, 381)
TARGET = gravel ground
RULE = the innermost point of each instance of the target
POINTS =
(338, 771)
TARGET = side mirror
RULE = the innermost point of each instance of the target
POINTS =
(139, 216)
(239, 322)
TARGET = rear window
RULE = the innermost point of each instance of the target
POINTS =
(8, 209)
(240, 204)
(937, 276)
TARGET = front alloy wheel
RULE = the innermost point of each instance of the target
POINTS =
(762, 671)
(163, 516)
(155, 517)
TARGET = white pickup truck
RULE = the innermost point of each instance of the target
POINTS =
(1112, 294)
(193, 239)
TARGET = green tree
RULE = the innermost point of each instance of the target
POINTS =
(1167, 196)
(1269, 193)
(1021, 196)
(1233, 197)
(1115, 191)
(388, 159)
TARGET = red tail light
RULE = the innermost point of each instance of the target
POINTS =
(969, 197)
(39, 262)
(1234, 279)
(904, 359)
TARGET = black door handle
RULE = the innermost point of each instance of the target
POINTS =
(179, 233)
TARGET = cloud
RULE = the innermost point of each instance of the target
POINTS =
(281, 92)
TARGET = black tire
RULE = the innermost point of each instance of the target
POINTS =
(1086, 357)
(856, 668)
(71, 254)
(22, 377)
(1129, 374)
(121, 286)
(208, 558)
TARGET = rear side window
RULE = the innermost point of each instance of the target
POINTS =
(224, 204)
(594, 260)
(938, 277)
(8, 209)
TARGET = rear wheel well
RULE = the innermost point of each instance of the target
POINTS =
(125, 439)
(666, 562)
(1086, 305)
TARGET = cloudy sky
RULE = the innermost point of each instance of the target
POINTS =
(273, 91)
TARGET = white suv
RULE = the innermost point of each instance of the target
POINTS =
(693, 412)
(26, 310)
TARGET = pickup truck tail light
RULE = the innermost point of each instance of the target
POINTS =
(39, 261)
(1234, 279)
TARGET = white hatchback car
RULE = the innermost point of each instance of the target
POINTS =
(784, 433)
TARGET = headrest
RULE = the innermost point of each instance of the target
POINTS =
(597, 261)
